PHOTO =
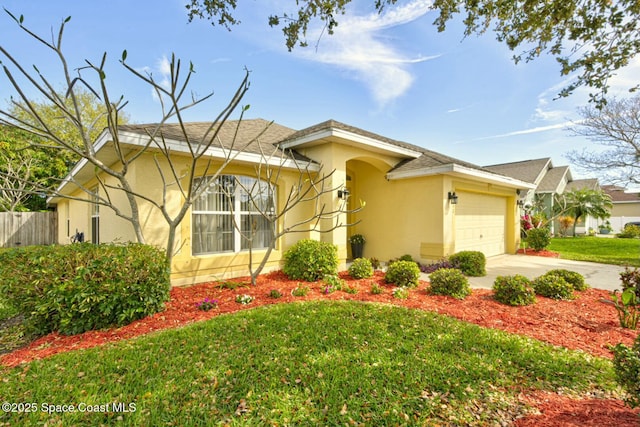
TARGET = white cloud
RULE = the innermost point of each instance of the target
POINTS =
(359, 47)
(164, 68)
(529, 131)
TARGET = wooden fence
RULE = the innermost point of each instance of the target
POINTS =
(28, 228)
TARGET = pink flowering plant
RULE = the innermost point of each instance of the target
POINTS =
(207, 304)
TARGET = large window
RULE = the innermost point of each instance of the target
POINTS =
(228, 216)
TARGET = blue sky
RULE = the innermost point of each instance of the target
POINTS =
(392, 74)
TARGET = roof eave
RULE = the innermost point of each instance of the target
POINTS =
(318, 136)
(455, 169)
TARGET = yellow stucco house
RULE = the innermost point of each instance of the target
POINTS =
(418, 202)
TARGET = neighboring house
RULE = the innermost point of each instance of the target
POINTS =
(549, 181)
(626, 206)
(408, 190)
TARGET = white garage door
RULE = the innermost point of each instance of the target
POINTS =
(480, 223)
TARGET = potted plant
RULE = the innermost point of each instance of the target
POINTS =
(605, 228)
(357, 245)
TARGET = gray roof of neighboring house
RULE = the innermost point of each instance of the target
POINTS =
(618, 194)
(552, 180)
(578, 184)
(526, 170)
(255, 136)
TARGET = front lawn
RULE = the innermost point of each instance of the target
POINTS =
(309, 363)
(598, 249)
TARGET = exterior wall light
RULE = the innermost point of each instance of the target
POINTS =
(453, 198)
(343, 194)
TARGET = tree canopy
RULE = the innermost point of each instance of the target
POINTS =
(593, 38)
(617, 128)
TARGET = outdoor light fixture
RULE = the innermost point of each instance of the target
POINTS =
(453, 198)
(343, 194)
(521, 203)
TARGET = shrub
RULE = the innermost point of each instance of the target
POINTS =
(514, 290)
(631, 280)
(400, 293)
(406, 257)
(375, 263)
(300, 291)
(376, 289)
(538, 238)
(334, 281)
(449, 281)
(630, 232)
(403, 274)
(552, 286)
(626, 363)
(82, 287)
(310, 260)
(472, 263)
(275, 294)
(361, 268)
(576, 279)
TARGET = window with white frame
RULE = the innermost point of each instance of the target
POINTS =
(229, 216)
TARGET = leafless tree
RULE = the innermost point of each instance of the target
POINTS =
(175, 103)
(92, 77)
(16, 181)
(617, 128)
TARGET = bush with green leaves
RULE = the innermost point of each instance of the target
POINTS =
(361, 268)
(626, 364)
(552, 286)
(630, 232)
(449, 281)
(538, 238)
(471, 263)
(403, 274)
(514, 290)
(576, 279)
(310, 260)
(81, 287)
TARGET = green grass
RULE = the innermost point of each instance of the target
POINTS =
(311, 363)
(598, 249)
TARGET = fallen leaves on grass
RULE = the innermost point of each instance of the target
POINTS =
(585, 323)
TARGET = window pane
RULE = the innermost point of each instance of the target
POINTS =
(259, 228)
(212, 233)
(218, 196)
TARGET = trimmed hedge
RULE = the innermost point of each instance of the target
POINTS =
(576, 279)
(538, 238)
(472, 263)
(552, 286)
(310, 260)
(404, 274)
(361, 268)
(514, 290)
(449, 281)
(76, 288)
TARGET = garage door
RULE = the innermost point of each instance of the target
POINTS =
(480, 223)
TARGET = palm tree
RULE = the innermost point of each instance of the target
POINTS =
(585, 202)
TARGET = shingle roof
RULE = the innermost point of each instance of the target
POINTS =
(526, 170)
(251, 136)
(427, 158)
(618, 194)
(578, 184)
(552, 180)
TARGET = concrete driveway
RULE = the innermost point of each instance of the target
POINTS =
(599, 276)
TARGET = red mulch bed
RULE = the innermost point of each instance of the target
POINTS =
(544, 253)
(585, 323)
